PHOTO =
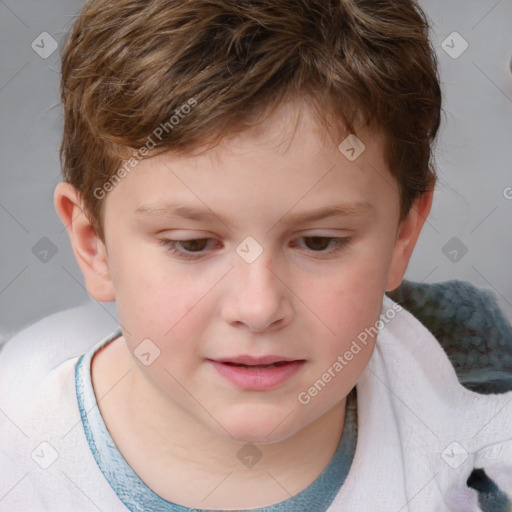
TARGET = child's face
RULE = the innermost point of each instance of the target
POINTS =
(300, 299)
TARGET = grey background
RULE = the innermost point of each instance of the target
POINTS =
(472, 208)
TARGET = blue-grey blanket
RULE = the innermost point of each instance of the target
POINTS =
(470, 326)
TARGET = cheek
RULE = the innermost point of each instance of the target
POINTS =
(351, 294)
(347, 305)
(150, 305)
(147, 294)
(353, 314)
(160, 300)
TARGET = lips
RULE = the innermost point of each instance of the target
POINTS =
(257, 373)
(249, 361)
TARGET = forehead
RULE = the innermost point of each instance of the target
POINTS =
(293, 126)
(287, 163)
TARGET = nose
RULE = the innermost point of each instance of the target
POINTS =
(257, 297)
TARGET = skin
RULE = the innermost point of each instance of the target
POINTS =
(178, 423)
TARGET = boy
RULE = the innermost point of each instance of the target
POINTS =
(246, 180)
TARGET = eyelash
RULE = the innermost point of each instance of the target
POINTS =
(171, 246)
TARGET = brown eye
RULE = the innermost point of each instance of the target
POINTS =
(319, 243)
(323, 246)
(187, 249)
(198, 244)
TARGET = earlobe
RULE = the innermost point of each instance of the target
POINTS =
(89, 249)
(407, 236)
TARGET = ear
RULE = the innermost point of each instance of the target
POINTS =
(407, 235)
(90, 251)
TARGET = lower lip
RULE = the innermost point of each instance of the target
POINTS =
(258, 379)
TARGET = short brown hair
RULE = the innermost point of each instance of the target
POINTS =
(129, 66)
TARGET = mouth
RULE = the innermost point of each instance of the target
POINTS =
(258, 376)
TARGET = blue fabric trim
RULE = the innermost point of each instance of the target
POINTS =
(137, 496)
(490, 497)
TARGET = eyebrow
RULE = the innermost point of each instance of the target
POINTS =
(355, 209)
